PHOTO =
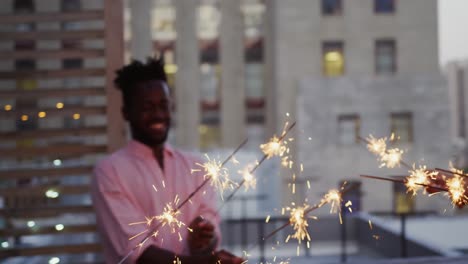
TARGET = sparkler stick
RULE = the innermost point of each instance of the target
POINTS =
(403, 182)
(326, 199)
(175, 210)
(254, 168)
(451, 172)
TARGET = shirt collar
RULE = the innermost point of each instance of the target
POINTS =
(139, 149)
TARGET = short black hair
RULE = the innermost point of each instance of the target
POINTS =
(137, 72)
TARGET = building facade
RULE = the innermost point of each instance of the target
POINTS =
(457, 77)
(341, 69)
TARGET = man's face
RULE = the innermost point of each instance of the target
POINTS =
(149, 113)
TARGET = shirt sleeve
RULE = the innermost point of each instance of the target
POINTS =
(114, 212)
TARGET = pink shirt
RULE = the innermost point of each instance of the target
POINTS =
(123, 193)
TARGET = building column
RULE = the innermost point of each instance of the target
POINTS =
(187, 90)
(141, 42)
(233, 114)
(269, 76)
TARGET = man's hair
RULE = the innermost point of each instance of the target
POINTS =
(129, 76)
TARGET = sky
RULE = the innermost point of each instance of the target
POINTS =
(453, 30)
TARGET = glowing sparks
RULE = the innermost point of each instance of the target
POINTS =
(248, 178)
(333, 197)
(456, 190)
(376, 145)
(417, 178)
(391, 158)
(214, 171)
(169, 218)
(275, 147)
(298, 220)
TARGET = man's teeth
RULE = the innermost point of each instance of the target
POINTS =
(158, 126)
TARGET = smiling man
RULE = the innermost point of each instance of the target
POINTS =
(124, 184)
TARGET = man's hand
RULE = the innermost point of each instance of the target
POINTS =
(203, 239)
(225, 257)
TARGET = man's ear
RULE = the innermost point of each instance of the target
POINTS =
(125, 113)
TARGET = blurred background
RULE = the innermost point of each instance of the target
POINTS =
(240, 69)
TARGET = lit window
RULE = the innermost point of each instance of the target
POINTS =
(210, 136)
(385, 56)
(333, 58)
(348, 129)
(253, 12)
(384, 6)
(402, 126)
(209, 19)
(403, 202)
(163, 21)
(331, 7)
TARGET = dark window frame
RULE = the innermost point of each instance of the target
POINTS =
(384, 6)
(332, 7)
(399, 115)
(377, 45)
(356, 118)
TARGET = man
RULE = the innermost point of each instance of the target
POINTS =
(138, 181)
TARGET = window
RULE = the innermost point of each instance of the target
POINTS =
(210, 80)
(70, 5)
(254, 92)
(331, 7)
(72, 63)
(384, 6)
(23, 6)
(333, 58)
(385, 56)
(25, 83)
(402, 126)
(163, 22)
(403, 202)
(348, 129)
(210, 136)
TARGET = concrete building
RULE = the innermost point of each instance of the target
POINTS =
(341, 69)
(368, 73)
(457, 78)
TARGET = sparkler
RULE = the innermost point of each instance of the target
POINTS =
(389, 158)
(298, 216)
(270, 150)
(417, 177)
(421, 177)
(457, 186)
(456, 190)
(249, 179)
(403, 182)
(170, 215)
(215, 172)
